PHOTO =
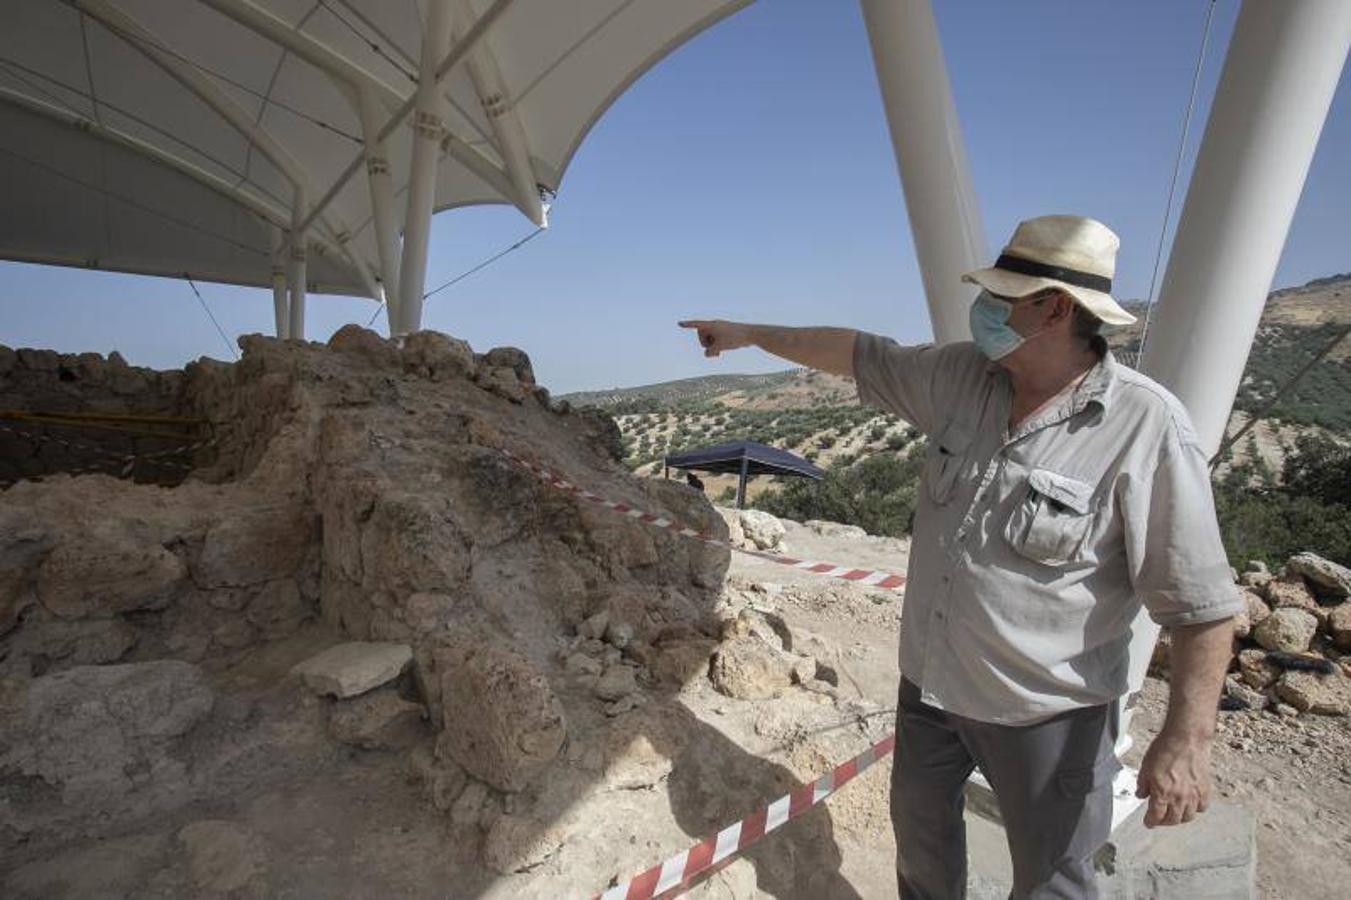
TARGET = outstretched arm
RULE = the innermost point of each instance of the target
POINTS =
(827, 349)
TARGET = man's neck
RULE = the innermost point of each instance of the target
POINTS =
(1053, 372)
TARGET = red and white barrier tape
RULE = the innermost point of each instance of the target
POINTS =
(677, 871)
(868, 577)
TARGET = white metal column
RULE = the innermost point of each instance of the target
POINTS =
(927, 139)
(281, 308)
(382, 203)
(506, 124)
(429, 115)
(1279, 77)
(297, 268)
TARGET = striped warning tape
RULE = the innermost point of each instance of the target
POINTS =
(676, 872)
(867, 577)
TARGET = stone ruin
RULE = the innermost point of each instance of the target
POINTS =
(348, 565)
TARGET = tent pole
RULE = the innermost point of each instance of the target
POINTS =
(382, 202)
(741, 483)
(281, 307)
(428, 128)
(297, 274)
(927, 139)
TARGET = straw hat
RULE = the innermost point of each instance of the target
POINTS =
(1074, 254)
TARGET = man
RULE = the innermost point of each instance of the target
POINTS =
(1064, 499)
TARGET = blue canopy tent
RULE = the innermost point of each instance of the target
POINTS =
(746, 458)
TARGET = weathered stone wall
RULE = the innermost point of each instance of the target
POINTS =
(44, 381)
(357, 487)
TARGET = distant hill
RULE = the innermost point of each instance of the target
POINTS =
(668, 392)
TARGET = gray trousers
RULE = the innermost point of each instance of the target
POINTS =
(1053, 781)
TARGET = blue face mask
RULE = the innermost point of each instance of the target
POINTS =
(990, 326)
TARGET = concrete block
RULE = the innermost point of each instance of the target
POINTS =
(1214, 856)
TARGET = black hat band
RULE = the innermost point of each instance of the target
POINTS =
(1042, 270)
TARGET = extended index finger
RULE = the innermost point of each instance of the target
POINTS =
(694, 323)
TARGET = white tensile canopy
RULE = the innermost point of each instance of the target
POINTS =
(192, 137)
(305, 144)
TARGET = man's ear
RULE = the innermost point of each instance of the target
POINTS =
(1063, 309)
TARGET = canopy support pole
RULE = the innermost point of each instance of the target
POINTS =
(297, 269)
(506, 124)
(382, 203)
(455, 147)
(1279, 77)
(741, 482)
(429, 114)
(927, 139)
(154, 48)
(281, 307)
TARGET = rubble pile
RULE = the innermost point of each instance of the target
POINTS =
(1292, 644)
(355, 566)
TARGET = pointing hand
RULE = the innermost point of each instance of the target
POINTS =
(716, 335)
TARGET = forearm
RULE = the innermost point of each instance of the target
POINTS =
(824, 348)
(1198, 660)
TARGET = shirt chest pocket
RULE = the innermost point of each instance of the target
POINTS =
(947, 458)
(1051, 522)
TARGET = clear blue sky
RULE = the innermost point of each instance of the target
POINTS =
(750, 176)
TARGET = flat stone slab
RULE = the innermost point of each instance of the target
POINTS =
(346, 670)
(1213, 856)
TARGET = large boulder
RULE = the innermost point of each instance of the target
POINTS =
(762, 529)
(750, 666)
(500, 717)
(1330, 580)
(437, 356)
(1288, 628)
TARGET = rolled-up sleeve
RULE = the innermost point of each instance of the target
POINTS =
(901, 380)
(1177, 561)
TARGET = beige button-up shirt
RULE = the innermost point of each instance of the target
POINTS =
(1038, 554)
